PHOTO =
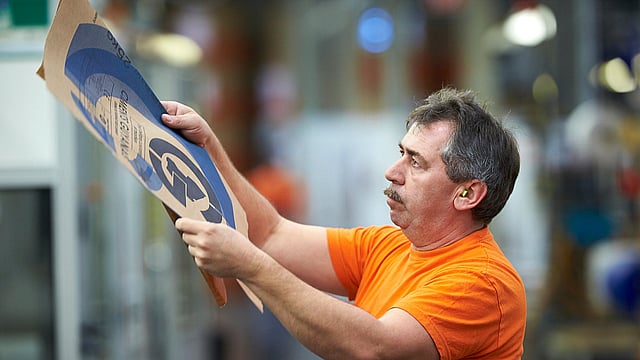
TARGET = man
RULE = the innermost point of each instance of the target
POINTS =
(435, 286)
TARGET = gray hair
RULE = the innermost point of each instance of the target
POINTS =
(480, 147)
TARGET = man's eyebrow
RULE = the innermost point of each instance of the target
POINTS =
(412, 152)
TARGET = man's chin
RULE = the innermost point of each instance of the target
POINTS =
(395, 220)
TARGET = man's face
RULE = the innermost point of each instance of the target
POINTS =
(420, 196)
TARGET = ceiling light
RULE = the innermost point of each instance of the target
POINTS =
(530, 25)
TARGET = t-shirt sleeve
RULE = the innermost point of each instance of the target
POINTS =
(352, 249)
(344, 248)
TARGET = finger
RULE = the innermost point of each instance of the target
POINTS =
(195, 258)
(193, 251)
(171, 120)
(170, 106)
(199, 257)
(185, 122)
(188, 240)
(199, 262)
(185, 225)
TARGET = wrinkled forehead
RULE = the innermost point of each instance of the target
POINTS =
(429, 137)
(430, 129)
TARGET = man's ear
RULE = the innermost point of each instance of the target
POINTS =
(470, 194)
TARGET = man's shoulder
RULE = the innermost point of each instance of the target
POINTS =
(372, 231)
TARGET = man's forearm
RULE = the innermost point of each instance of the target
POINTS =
(261, 215)
(326, 325)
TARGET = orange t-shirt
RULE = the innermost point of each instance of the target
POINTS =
(466, 295)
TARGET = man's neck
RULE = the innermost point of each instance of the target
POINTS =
(449, 239)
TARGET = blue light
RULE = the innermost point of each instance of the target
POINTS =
(375, 30)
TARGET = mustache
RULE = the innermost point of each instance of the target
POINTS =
(393, 195)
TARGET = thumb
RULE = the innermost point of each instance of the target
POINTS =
(169, 119)
(179, 122)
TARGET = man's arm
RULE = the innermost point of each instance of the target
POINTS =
(326, 325)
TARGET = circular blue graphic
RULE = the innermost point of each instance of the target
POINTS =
(180, 185)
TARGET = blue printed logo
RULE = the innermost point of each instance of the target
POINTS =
(192, 188)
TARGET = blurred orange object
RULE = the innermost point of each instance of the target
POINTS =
(281, 188)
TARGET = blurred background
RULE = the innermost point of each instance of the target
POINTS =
(310, 98)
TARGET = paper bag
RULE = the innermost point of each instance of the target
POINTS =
(88, 71)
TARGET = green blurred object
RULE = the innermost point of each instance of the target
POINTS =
(29, 12)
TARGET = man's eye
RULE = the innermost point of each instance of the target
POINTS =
(414, 162)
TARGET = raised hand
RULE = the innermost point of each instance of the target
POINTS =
(188, 122)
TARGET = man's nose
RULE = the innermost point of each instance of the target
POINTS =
(393, 173)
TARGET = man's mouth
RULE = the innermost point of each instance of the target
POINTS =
(392, 195)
